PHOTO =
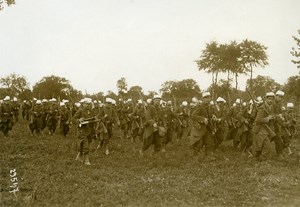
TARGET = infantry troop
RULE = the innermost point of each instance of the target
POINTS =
(252, 126)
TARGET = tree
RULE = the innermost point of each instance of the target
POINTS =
(150, 94)
(231, 61)
(14, 84)
(261, 85)
(253, 54)
(216, 58)
(296, 51)
(6, 2)
(135, 92)
(122, 86)
(292, 89)
(180, 90)
(55, 87)
(112, 95)
(25, 95)
(210, 60)
(223, 89)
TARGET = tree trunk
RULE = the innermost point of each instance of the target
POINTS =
(228, 73)
(216, 78)
(236, 81)
(251, 74)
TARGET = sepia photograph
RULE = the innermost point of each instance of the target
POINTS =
(139, 103)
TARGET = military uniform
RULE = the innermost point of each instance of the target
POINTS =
(183, 115)
(263, 130)
(52, 118)
(85, 132)
(26, 106)
(232, 123)
(171, 118)
(108, 114)
(36, 119)
(201, 133)
(65, 116)
(6, 117)
(138, 120)
(155, 128)
(278, 127)
(244, 134)
(16, 108)
(221, 125)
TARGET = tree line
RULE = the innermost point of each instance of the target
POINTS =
(58, 87)
(231, 58)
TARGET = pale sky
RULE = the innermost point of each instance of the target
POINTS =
(93, 43)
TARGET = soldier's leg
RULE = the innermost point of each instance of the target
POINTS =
(147, 142)
(180, 132)
(256, 146)
(243, 140)
(157, 141)
(39, 125)
(266, 148)
(107, 137)
(31, 127)
(249, 142)
(278, 144)
(219, 137)
(5, 128)
(209, 143)
(197, 146)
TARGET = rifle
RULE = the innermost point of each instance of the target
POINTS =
(88, 121)
(252, 99)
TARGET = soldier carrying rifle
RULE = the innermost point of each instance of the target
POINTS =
(263, 129)
(202, 130)
(85, 130)
(6, 116)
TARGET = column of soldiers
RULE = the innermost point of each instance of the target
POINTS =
(252, 126)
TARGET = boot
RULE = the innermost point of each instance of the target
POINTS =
(289, 151)
(87, 161)
(107, 151)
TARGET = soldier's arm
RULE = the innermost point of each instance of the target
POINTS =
(196, 116)
(149, 116)
(261, 117)
(240, 115)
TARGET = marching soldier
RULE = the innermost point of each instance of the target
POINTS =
(291, 118)
(288, 127)
(26, 106)
(6, 116)
(155, 126)
(220, 112)
(263, 129)
(246, 117)
(109, 117)
(202, 129)
(16, 108)
(232, 120)
(123, 110)
(85, 130)
(278, 123)
(36, 118)
(183, 116)
(138, 120)
(65, 118)
(171, 118)
(52, 116)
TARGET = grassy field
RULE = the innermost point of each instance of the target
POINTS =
(48, 175)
